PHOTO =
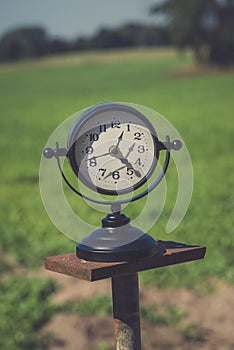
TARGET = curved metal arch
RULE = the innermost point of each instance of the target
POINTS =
(117, 202)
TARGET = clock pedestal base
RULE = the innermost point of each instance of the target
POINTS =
(143, 247)
(116, 240)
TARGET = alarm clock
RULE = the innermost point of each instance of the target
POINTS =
(113, 150)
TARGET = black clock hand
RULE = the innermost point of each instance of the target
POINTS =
(120, 138)
(129, 166)
(110, 173)
(130, 150)
(101, 155)
(125, 161)
(115, 152)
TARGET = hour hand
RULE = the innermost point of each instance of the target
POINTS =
(120, 138)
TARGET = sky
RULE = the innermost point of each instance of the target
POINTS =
(73, 18)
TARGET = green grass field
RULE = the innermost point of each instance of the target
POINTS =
(37, 96)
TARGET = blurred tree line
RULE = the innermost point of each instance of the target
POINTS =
(31, 42)
(205, 26)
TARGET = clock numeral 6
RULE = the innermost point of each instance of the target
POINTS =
(115, 175)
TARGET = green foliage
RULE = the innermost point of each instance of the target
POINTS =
(192, 333)
(4, 267)
(24, 309)
(104, 346)
(100, 305)
(36, 98)
(170, 315)
(127, 35)
(167, 315)
(149, 314)
(207, 27)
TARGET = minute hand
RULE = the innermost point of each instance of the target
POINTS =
(110, 173)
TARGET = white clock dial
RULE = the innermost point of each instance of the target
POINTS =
(113, 149)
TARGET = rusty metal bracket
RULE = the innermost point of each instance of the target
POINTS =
(124, 277)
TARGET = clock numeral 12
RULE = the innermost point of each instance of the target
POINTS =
(115, 124)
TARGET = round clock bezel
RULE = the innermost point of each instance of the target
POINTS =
(92, 112)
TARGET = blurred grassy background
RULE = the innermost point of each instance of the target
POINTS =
(36, 96)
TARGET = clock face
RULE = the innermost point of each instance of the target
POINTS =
(113, 148)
